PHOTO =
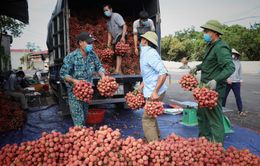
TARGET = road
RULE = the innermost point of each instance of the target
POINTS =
(250, 93)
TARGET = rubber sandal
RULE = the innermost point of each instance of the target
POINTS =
(242, 114)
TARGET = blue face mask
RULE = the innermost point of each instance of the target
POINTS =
(19, 79)
(145, 23)
(89, 48)
(108, 13)
(140, 45)
(207, 38)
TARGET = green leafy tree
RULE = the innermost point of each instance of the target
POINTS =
(10, 26)
(244, 40)
(189, 43)
(176, 48)
(186, 43)
(32, 46)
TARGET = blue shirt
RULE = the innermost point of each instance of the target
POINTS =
(80, 68)
(151, 68)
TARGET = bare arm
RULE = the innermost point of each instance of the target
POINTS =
(160, 82)
(135, 41)
(109, 39)
(69, 79)
(135, 44)
(102, 75)
(141, 86)
(124, 33)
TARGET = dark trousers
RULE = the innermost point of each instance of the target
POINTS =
(236, 90)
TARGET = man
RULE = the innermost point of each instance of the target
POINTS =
(116, 32)
(215, 68)
(154, 75)
(80, 64)
(13, 88)
(140, 27)
(234, 83)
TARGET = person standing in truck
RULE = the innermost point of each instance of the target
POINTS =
(78, 65)
(117, 28)
(153, 86)
(140, 27)
(215, 68)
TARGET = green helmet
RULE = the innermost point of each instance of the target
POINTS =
(213, 25)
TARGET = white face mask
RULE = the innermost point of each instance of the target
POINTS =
(19, 78)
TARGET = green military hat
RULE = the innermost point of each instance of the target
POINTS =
(213, 25)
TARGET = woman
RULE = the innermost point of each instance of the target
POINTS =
(234, 83)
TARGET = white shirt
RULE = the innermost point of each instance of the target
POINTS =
(137, 25)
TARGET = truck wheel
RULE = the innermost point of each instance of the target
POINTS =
(120, 106)
(54, 98)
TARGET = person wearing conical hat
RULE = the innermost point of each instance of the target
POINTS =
(234, 82)
(215, 68)
(154, 75)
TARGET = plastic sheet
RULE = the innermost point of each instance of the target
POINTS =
(130, 123)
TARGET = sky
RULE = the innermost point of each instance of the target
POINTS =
(175, 16)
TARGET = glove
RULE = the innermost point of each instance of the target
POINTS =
(212, 84)
(193, 71)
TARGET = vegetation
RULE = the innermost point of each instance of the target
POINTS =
(189, 42)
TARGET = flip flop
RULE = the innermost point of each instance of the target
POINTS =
(242, 114)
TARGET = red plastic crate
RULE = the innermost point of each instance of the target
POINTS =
(95, 115)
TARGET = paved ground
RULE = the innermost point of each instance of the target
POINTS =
(250, 92)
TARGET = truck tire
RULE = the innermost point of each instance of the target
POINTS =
(120, 106)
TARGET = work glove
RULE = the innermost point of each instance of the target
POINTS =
(212, 84)
(194, 70)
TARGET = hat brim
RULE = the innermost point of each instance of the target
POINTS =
(88, 40)
(150, 40)
(211, 29)
(236, 53)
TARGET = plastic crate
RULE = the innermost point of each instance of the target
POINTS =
(189, 117)
(95, 115)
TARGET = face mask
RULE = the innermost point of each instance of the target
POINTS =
(145, 23)
(19, 78)
(233, 56)
(207, 38)
(140, 45)
(108, 13)
(89, 48)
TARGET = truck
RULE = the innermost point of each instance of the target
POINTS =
(58, 43)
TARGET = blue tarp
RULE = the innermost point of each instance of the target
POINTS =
(48, 119)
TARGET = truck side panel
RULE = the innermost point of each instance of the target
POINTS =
(59, 42)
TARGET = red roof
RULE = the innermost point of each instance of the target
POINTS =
(21, 50)
(39, 52)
